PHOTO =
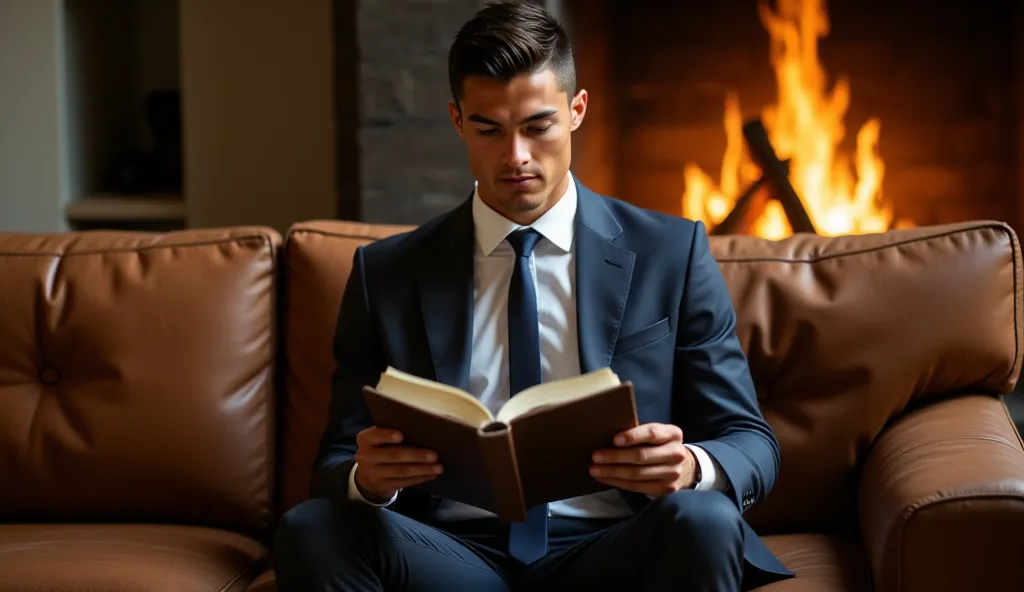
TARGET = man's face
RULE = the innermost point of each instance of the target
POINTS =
(517, 134)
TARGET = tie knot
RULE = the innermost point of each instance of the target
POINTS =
(523, 241)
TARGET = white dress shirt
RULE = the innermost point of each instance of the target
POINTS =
(553, 268)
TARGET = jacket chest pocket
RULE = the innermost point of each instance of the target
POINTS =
(642, 338)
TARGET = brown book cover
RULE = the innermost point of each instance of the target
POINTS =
(504, 465)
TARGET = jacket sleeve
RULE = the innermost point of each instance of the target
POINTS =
(359, 359)
(714, 400)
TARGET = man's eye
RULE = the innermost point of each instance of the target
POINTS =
(539, 130)
(493, 131)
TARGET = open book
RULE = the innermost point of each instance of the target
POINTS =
(536, 449)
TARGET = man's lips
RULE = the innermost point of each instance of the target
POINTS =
(519, 181)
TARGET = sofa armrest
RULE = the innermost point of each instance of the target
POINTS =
(942, 499)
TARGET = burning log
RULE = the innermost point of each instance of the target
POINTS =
(774, 183)
(777, 175)
(748, 207)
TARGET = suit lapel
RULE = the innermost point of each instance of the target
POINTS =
(603, 273)
(445, 282)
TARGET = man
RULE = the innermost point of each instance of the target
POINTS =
(536, 278)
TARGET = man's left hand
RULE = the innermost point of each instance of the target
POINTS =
(648, 459)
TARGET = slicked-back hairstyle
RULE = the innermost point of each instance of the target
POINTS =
(508, 38)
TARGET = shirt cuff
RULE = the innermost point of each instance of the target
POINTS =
(712, 477)
(353, 490)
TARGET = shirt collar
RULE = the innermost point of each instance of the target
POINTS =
(557, 224)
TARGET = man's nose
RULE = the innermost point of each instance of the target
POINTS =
(517, 152)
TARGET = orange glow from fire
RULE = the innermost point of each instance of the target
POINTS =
(805, 126)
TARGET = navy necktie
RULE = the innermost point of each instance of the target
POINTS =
(528, 540)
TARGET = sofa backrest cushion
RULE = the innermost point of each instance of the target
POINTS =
(845, 334)
(136, 376)
(842, 335)
(318, 259)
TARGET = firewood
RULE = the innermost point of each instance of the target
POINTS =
(777, 175)
(748, 207)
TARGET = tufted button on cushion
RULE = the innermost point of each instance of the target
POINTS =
(49, 376)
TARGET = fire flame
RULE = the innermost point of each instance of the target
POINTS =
(806, 127)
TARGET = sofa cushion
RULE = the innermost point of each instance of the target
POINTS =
(842, 333)
(318, 259)
(136, 376)
(112, 558)
(265, 582)
(821, 563)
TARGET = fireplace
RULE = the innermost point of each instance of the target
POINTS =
(894, 114)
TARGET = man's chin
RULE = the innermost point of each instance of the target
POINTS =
(520, 200)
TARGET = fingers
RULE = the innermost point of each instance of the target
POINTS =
(375, 436)
(396, 455)
(379, 446)
(382, 481)
(650, 433)
(399, 463)
(396, 484)
(405, 471)
(633, 473)
(671, 453)
(384, 466)
(654, 489)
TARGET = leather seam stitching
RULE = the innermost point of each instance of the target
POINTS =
(908, 241)
(888, 466)
(1009, 418)
(264, 239)
(1016, 301)
(254, 567)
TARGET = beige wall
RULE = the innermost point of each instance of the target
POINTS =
(257, 81)
(31, 192)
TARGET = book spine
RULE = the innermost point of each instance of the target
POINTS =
(503, 473)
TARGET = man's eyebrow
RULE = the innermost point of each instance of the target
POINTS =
(483, 120)
(540, 115)
(475, 117)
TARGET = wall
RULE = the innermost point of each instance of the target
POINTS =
(412, 164)
(258, 109)
(31, 192)
(99, 108)
(941, 80)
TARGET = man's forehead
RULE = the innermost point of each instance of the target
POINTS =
(541, 85)
(512, 106)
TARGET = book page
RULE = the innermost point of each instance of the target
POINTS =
(433, 397)
(556, 392)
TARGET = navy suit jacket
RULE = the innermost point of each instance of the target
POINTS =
(651, 304)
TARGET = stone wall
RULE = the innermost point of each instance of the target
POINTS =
(400, 160)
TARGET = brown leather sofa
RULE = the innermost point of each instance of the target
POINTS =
(161, 397)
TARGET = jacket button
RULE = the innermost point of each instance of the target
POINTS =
(49, 376)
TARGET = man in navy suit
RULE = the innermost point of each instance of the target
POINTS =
(536, 278)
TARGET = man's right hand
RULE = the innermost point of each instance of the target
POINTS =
(385, 466)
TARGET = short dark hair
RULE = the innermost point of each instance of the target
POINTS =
(508, 38)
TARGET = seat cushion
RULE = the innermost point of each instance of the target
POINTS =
(822, 563)
(113, 558)
(266, 582)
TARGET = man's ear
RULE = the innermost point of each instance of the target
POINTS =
(456, 116)
(578, 109)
